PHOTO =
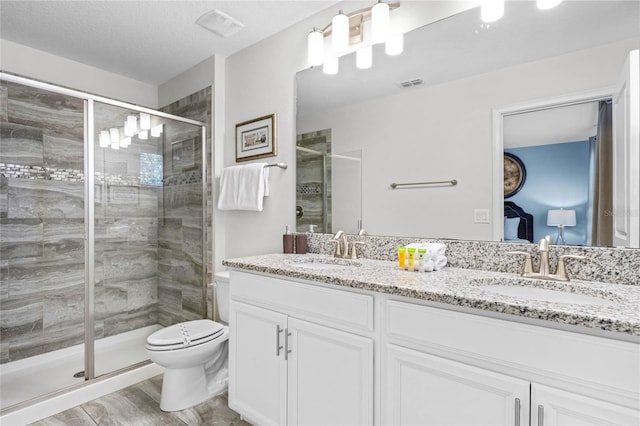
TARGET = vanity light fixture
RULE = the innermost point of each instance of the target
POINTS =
(130, 125)
(145, 121)
(315, 47)
(348, 31)
(104, 139)
(380, 22)
(156, 131)
(340, 29)
(364, 57)
(547, 4)
(491, 10)
(331, 66)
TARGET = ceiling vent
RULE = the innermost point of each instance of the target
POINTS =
(220, 23)
(411, 83)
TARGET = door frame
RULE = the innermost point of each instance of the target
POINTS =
(498, 114)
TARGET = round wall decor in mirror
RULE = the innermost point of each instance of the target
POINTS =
(514, 174)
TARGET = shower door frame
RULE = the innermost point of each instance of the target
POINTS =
(89, 208)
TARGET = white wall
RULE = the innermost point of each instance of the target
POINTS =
(188, 82)
(260, 80)
(444, 132)
(38, 65)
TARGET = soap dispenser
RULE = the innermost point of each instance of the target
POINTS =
(287, 240)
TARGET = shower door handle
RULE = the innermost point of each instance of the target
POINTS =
(278, 345)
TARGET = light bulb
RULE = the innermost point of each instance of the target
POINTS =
(491, 10)
(340, 32)
(330, 66)
(395, 44)
(315, 48)
(104, 139)
(547, 4)
(379, 22)
(145, 121)
(364, 57)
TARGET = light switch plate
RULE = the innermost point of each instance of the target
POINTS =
(481, 216)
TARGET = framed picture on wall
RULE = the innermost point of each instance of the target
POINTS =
(514, 174)
(256, 138)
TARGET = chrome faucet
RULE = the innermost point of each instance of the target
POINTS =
(545, 271)
(341, 238)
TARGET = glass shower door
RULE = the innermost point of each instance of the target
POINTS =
(148, 217)
(41, 241)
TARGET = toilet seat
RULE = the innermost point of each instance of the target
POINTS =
(184, 335)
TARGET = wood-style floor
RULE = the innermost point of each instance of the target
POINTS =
(139, 405)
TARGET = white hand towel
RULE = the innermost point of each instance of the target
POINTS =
(439, 262)
(432, 248)
(244, 187)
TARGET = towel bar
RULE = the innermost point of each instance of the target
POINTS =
(281, 165)
(451, 182)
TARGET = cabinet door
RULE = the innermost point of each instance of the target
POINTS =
(330, 376)
(257, 369)
(554, 407)
(422, 389)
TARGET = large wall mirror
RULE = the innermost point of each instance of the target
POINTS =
(429, 115)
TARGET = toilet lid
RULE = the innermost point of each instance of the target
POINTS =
(184, 334)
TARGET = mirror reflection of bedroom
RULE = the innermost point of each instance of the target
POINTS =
(558, 175)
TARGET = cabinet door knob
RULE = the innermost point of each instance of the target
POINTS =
(278, 345)
(517, 418)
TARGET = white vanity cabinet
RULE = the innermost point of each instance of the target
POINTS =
(299, 354)
(447, 367)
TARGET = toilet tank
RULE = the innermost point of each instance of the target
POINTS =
(222, 295)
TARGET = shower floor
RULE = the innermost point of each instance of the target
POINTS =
(39, 375)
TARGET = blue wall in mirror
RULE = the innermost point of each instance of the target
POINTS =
(558, 176)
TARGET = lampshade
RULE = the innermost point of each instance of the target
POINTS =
(340, 32)
(548, 4)
(114, 135)
(491, 10)
(104, 139)
(380, 22)
(395, 44)
(315, 47)
(330, 66)
(145, 121)
(364, 57)
(156, 131)
(130, 125)
(561, 218)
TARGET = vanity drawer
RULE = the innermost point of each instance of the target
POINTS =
(339, 308)
(547, 355)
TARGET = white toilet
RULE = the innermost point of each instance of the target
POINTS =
(194, 355)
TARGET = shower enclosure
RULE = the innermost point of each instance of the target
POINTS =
(102, 235)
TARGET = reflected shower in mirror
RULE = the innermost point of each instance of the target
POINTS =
(441, 128)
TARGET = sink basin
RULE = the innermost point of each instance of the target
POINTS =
(328, 263)
(547, 291)
(546, 295)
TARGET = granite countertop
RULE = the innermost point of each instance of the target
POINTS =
(604, 306)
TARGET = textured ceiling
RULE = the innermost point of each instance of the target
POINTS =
(150, 41)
